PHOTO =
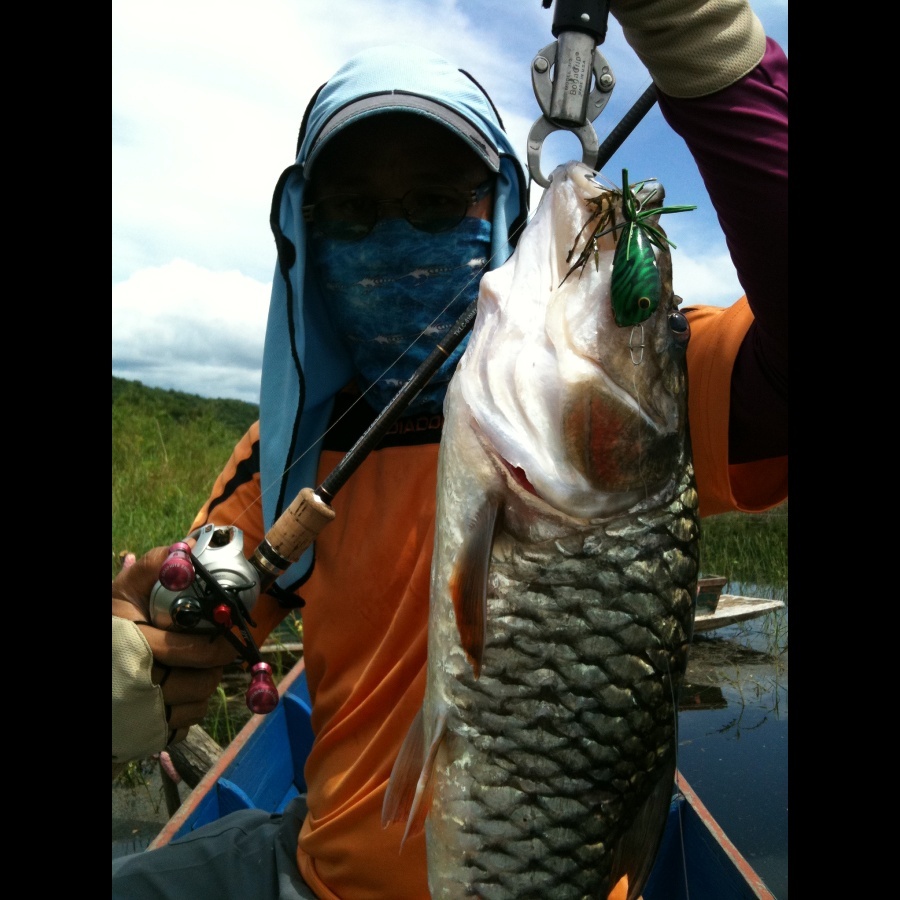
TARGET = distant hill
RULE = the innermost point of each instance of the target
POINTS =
(181, 407)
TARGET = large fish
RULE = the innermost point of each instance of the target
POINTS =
(564, 575)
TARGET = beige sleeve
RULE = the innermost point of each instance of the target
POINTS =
(139, 726)
(692, 47)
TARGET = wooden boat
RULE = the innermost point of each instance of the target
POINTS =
(263, 768)
(733, 608)
(716, 610)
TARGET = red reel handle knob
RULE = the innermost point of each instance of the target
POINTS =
(262, 695)
(177, 572)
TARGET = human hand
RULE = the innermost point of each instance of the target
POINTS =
(162, 680)
(692, 47)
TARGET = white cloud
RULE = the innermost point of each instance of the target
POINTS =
(207, 99)
(705, 279)
(183, 327)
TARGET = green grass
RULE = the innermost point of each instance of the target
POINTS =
(748, 549)
(168, 448)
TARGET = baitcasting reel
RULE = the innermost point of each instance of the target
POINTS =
(182, 602)
(213, 589)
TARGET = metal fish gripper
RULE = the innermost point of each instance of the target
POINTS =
(582, 80)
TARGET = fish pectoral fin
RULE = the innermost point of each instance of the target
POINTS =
(468, 583)
(637, 848)
(408, 795)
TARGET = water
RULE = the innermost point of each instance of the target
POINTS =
(733, 735)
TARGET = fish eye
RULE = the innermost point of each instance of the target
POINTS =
(680, 327)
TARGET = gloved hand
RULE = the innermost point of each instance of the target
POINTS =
(162, 680)
(692, 47)
(139, 725)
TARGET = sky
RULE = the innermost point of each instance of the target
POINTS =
(207, 99)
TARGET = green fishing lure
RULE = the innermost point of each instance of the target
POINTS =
(635, 276)
(635, 283)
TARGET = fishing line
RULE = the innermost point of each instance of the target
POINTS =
(637, 397)
(477, 274)
(680, 820)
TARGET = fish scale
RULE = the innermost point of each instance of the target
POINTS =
(567, 720)
(563, 579)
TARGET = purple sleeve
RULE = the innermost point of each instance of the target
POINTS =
(739, 140)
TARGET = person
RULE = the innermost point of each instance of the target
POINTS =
(395, 136)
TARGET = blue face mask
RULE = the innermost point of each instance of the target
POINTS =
(395, 294)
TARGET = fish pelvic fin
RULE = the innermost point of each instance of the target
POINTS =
(408, 795)
(468, 583)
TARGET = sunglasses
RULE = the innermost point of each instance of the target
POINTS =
(350, 217)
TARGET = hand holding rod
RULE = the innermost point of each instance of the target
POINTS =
(219, 604)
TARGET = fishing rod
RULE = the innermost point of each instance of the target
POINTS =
(629, 122)
(298, 526)
(219, 595)
(212, 587)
